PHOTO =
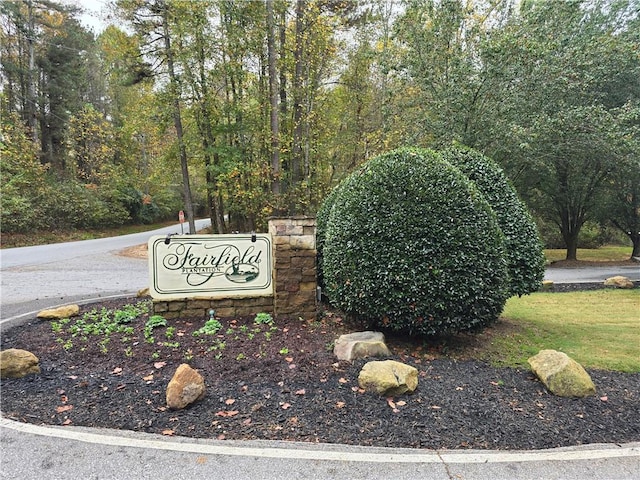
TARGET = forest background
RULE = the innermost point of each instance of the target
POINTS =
(242, 110)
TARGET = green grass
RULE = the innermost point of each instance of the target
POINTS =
(607, 253)
(599, 329)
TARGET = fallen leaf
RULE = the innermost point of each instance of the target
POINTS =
(246, 422)
(343, 380)
(390, 402)
(289, 359)
(64, 399)
(340, 404)
(285, 405)
(148, 378)
(302, 391)
(230, 401)
(604, 399)
(401, 403)
(121, 387)
(285, 330)
(64, 408)
(221, 436)
(67, 422)
(395, 410)
(72, 377)
(159, 365)
(459, 388)
(292, 366)
(227, 413)
(117, 371)
(168, 432)
(435, 407)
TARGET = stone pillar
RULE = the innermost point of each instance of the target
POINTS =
(294, 273)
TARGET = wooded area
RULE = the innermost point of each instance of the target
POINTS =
(246, 109)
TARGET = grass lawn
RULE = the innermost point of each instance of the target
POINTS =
(599, 329)
(606, 253)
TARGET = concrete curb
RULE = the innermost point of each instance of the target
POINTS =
(327, 452)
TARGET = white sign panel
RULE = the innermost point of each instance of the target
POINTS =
(213, 266)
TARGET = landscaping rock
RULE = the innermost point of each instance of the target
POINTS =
(186, 386)
(16, 363)
(562, 375)
(547, 286)
(60, 312)
(388, 378)
(360, 345)
(619, 282)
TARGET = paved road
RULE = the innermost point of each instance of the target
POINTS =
(591, 274)
(38, 277)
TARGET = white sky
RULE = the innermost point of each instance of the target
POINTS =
(94, 17)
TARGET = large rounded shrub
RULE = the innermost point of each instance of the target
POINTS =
(322, 219)
(411, 244)
(523, 248)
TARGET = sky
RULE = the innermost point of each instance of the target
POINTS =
(93, 17)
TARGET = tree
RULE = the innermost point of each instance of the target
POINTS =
(153, 22)
(559, 131)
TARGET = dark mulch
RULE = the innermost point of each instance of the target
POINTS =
(290, 387)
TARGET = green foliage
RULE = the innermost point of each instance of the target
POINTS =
(322, 219)
(100, 323)
(523, 248)
(412, 245)
(211, 327)
(263, 318)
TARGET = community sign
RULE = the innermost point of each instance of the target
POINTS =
(210, 266)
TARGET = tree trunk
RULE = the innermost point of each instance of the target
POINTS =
(177, 121)
(31, 95)
(635, 238)
(273, 100)
(298, 127)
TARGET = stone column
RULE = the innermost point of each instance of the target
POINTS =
(294, 273)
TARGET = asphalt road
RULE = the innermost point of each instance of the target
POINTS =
(39, 277)
(33, 278)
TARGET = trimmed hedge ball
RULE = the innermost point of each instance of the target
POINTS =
(412, 245)
(523, 248)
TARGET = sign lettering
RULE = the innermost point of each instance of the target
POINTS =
(213, 266)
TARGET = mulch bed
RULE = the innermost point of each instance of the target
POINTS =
(288, 385)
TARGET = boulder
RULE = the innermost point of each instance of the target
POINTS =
(16, 363)
(185, 387)
(60, 312)
(547, 286)
(619, 282)
(388, 378)
(561, 375)
(360, 345)
(144, 292)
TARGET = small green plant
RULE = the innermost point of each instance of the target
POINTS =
(188, 355)
(263, 318)
(155, 355)
(284, 351)
(211, 327)
(128, 352)
(241, 356)
(154, 321)
(103, 344)
(170, 332)
(171, 344)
